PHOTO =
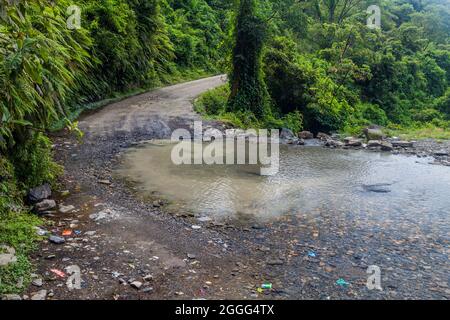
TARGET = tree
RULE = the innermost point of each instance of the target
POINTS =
(248, 90)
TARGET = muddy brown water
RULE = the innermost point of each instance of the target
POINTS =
(357, 185)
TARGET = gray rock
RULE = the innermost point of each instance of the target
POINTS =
(7, 255)
(147, 290)
(373, 133)
(66, 209)
(306, 135)
(39, 193)
(333, 143)
(275, 262)
(323, 136)
(136, 284)
(384, 145)
(286, 134)
(37, 282)
(352, 142)
(45, 205)
(191, 256)
(56, 240)
(377, 188)
(40, 295)
(11, 297)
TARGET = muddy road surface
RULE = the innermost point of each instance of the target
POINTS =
(131, 247)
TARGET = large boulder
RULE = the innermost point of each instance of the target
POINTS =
(287, 134)
(39, 194)
(374, 133)
(45, 205)
(353, 142)
(323, 136)
(306, 135)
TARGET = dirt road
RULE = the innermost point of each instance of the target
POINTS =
(132, 248)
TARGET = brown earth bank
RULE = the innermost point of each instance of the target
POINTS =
(130, 248)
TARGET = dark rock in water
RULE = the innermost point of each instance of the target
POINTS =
(377, 188)
(45, 205)
(441, 153)
(39, 193)
(306, 135)
(287, 134)
(402, 144)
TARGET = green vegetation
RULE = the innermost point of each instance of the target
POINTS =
(50, 73)
(321, 60)
(311, 64)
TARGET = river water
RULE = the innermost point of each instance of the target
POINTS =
(357, 185)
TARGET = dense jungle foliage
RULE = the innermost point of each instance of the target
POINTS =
(302, 64)
(323, 65)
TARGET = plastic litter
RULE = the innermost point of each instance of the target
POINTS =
(266, 286)
(341, 282)
(312, 254)
(67, 233)
(59, 273)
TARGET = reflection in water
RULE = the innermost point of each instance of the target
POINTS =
(310, 179)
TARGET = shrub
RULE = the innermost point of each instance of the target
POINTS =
(33, 162)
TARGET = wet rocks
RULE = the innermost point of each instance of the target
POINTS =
(45, 205)
(323, 136)
(39, 194)
(441, 153)
(377, 188)
(382, 145)
(402, 144)
(306, 135)
(352, 142)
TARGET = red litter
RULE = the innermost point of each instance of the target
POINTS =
(67, 233)
(59, 273)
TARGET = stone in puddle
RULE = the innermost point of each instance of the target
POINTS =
(56, 240)
(66, 209)
(378, 188)
(40, 295)
(7, 255)
(441, 153)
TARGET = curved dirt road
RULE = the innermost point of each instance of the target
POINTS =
(132, 248)
(152, 113)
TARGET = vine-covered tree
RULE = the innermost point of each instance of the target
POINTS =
(248, 90)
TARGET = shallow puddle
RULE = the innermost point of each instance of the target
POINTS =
(358, 184)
